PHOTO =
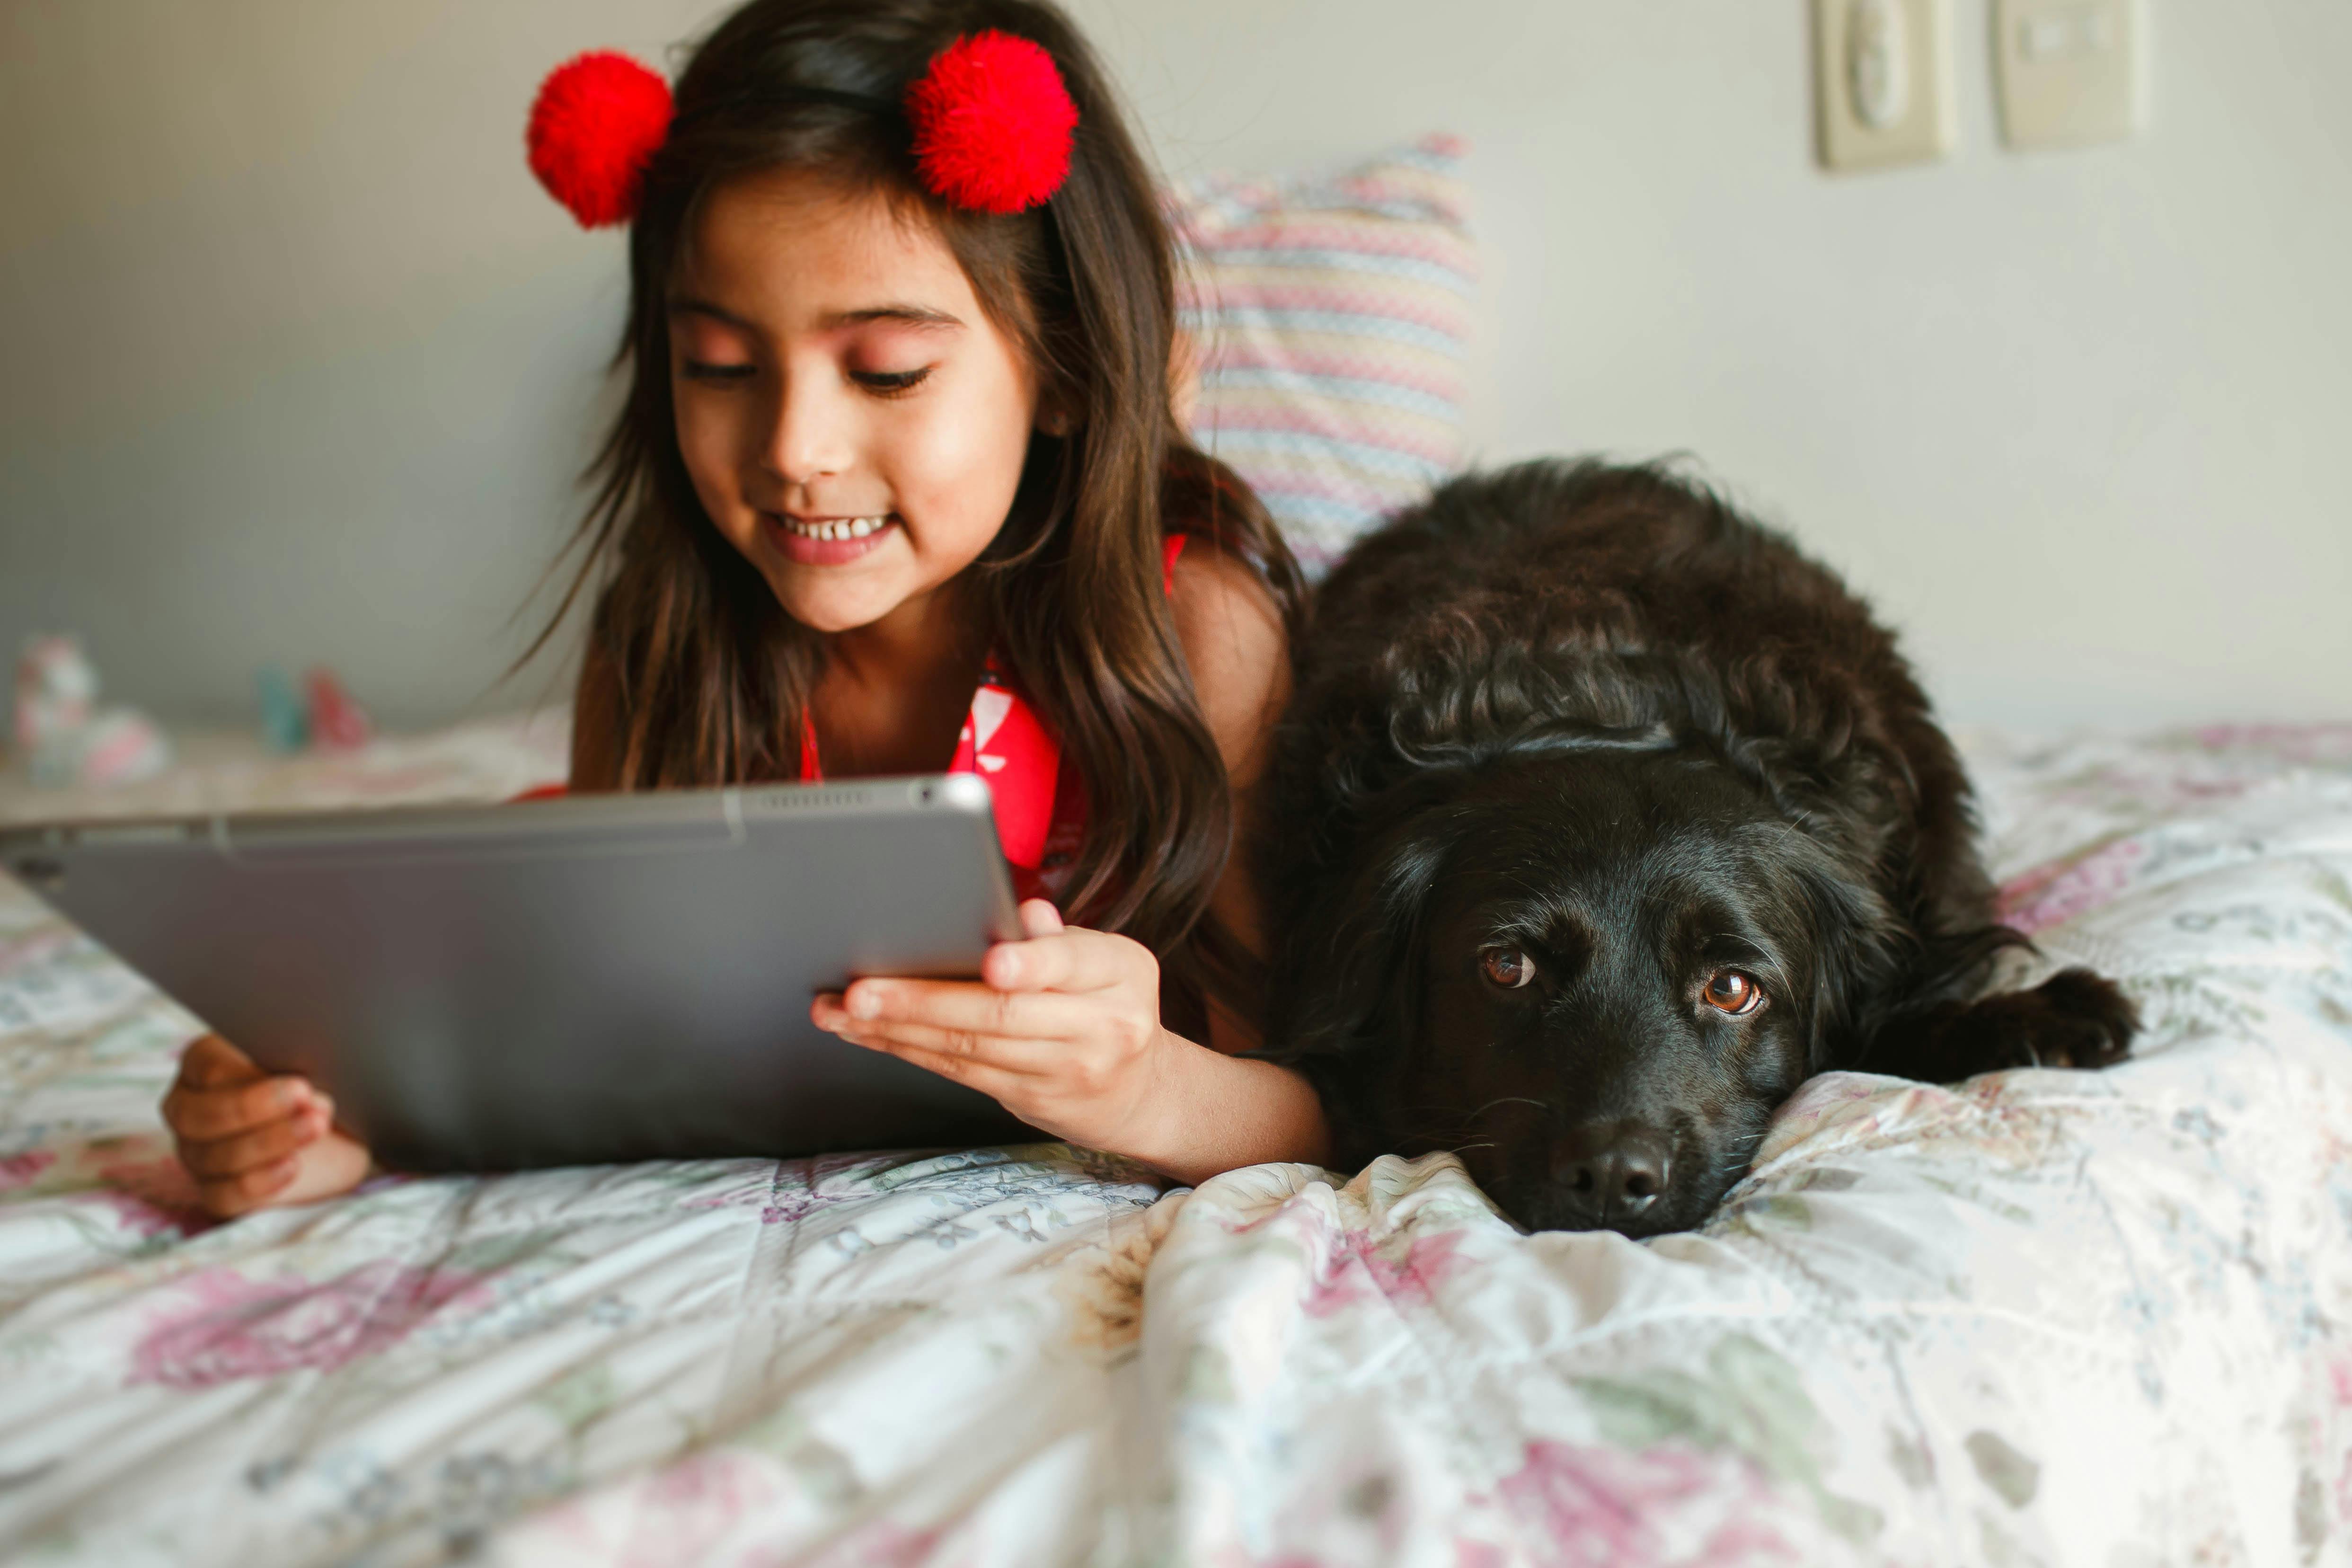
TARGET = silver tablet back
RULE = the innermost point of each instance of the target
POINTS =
(589, 979)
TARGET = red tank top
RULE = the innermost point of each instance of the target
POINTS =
(1040, 801)
(1038, 798)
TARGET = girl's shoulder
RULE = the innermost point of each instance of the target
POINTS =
(1236, 649)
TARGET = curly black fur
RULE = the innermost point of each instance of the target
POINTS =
(1592, 719)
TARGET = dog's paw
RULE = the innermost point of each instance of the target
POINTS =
(2077, 1019)
(2074, 1019)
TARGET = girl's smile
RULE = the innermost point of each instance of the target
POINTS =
(829, 541)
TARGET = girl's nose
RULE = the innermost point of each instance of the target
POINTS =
(811, 433)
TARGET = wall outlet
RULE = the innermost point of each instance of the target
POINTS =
(1883, 82)
(2069, 71)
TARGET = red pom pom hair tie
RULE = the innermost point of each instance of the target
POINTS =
(993, 122)
(991, 116)
(598, 120)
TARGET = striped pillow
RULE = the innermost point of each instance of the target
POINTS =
(1330, 319)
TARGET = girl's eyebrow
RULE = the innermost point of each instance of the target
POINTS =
(902, 315)
(921, 316)
(685, 307)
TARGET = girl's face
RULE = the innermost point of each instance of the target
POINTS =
(852, 420)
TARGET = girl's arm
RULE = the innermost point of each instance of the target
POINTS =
(1063, 1029)
(1238, 654)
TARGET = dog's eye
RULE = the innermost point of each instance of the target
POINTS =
(1507, 967)
(1730, 991)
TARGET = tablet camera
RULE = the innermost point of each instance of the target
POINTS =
(40, 873)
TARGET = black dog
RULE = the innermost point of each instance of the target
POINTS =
(1602, 818)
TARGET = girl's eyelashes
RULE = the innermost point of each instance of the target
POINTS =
(889, 383)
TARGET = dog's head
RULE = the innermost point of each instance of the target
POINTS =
(1594, 974)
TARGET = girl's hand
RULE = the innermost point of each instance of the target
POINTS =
(252, 1140)
(1062, 1029)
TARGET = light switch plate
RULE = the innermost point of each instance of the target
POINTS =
(2069, 71)
(1883, 82)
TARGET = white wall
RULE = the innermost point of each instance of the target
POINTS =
(299, 365)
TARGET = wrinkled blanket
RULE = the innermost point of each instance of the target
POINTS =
(2040, 1317)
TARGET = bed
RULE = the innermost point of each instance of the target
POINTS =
(2039, 1318)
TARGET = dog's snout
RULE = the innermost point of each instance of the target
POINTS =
(1613, 1173)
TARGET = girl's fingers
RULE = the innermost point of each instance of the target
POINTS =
(960, 1005)
(974, 1072)
(1015, 1059)
(211, 1062)
(226, 1197)
(204, 1115)
(331, 1165)
(1068, 960)
(263, 1145)
(1039, 917)
(334, 1165)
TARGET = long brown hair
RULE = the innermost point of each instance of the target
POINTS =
(714, 678)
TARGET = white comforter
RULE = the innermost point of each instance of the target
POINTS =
(2043, 1318)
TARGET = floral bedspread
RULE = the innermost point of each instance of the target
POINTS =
(2043, 1318)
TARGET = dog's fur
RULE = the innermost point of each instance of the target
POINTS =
(1592, 716)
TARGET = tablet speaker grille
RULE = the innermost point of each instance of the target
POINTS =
(818, 797)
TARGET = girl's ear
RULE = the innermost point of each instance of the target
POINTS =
(1061, 403)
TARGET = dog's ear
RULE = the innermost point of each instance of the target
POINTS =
(1860, 945)
(1348, 998)
(1876, 976)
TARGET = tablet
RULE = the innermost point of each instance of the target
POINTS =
(563, 982)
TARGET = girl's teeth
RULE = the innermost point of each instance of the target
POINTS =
(852, 528)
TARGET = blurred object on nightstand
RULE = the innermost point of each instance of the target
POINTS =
(337, 723)
(285, 727)
(63, 737)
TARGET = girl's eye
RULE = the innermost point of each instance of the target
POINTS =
(1730, 991)
(712, 370)
(1507, 967)
(889, 381)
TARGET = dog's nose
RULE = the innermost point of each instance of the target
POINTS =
(1612, 1172)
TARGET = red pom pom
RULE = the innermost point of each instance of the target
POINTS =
(596, 123)
(992, 123)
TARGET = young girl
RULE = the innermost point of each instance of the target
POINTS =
(897, 487)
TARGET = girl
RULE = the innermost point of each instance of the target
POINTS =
(897, 486)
